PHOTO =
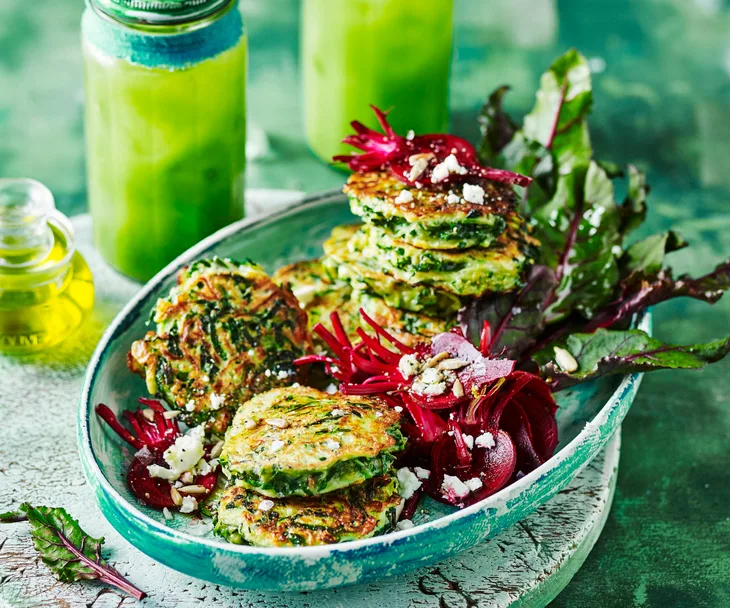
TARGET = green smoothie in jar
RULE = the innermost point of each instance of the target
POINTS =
(394, 54)
(165, 126)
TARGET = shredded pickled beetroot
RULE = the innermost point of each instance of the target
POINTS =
(512, 411)
(151, 438)
(391, 151)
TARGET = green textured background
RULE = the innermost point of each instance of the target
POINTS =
(662, 88)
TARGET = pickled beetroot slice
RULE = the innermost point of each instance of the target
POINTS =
(390, 151)
(151, 438)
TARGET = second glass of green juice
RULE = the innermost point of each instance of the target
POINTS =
(395, 54)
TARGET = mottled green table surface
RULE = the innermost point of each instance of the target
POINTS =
(662, 87)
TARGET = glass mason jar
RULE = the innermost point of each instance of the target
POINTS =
(395, 54)
(165, 125)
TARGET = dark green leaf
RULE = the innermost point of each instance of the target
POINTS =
(70, 553)
(564, 101)
(647, 257)
(640, 292)
(496, 126)
(620, 352)
(578, 230)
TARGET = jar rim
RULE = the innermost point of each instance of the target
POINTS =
(158, 15)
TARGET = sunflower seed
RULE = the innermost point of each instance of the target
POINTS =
(458, 388)
(436, 359)
(452, 364)
(176, 497)
(194, 489)
(279, 423)
(170, 414)
(565, 360)
(149, 414)
(216, 450)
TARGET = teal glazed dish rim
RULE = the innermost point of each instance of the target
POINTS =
(189, 548)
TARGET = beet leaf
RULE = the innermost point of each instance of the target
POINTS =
(581, 357)
(70, 553)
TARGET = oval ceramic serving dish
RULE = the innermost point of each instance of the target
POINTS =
(588, 417)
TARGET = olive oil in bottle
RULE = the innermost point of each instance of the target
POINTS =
(46, 288)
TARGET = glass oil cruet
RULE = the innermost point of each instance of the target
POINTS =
(46, 288)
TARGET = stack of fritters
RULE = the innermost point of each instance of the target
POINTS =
(420, 256)
(309, 468)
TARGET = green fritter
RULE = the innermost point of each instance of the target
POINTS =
(319, 292)
(367, 275)
(360, 511)
(432, 217)
(299, 441)
(225, 332)
(411, 328)
(469, 272)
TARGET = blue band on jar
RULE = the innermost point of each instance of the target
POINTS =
(171, 51)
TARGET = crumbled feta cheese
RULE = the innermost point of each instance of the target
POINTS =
(267, 373)
(331, 444)
(453, 198)
(282, 375)
(216, 401)
(331, 389)
(276, 445)
(422, 473)
(266, 505)
(404, 524)
(338, 413)
(167, 514)
(468, 440)
(404, 196)
(205, 379)
(190, 406)
(454, 488)
(203, 467)
(410, 135)
(378, 414)
(181, 456)
(447, 167)
(250, 352)
(430, 382)
(486, 441)
(398, 409)
(473, 193)
(296, 385)
(187, 477)
(408, 482)
(408, 366)
(473, 484)
(189, 504)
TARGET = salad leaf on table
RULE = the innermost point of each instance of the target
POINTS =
(70, 553)
(607, 352)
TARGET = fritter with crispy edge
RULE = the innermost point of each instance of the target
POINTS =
(430, 218)
(322, 295)
(360, 511)
(298, 441)
(366, 275)
(225, 333)
(468, 272)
